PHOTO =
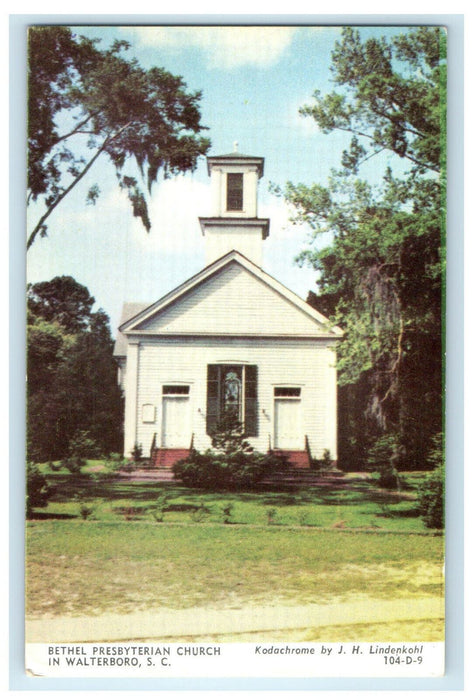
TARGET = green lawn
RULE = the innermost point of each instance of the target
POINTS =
(313, 545)
(79, 567)
(358, 504)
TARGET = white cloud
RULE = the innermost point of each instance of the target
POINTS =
(224, 47)
(174, 210)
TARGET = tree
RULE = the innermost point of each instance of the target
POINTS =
(381, 272)
(393, 97)
(72, 384)
(85, 103)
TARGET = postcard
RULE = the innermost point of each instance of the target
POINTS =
(236, 256)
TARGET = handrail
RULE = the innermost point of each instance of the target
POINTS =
(152, 448)
(307, 448)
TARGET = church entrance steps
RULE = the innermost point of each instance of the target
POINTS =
(163, 457)
(297, 459)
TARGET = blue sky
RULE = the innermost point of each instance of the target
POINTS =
(253, 80)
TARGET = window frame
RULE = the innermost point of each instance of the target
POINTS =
(234, 191)
(248, 407)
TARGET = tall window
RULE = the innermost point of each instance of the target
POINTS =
(234, 191)
(232, 390)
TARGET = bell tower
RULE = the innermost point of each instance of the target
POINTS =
(234, 223)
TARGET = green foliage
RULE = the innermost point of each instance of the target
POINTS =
(325, 463)
(431, 499)
(137, 452)
(210, 470)
(199, 514)
(37, 490)
(233, 464)
(85, 102)
(227, 512)
(157, 510)
(384, 457)
(378, 249)
(83, 446)
(272, 516)
(72, 464)
(74, 402)
(85, 511)
(391, 98)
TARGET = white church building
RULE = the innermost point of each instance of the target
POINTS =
(229, 338)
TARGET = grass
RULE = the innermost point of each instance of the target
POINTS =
(359, 504)
(98, 547)
(79, 567)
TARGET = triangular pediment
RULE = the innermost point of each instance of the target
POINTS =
(231, 297)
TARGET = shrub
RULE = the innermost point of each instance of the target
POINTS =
(325, 463)
(72, 464)
(226, 511)
(210, 470)
(432, 489)
(200, 513)
(157, 511)
(37, 489)
(115, 461)
(272, 515)
(383, 458)
(231, 465)
(431, 499)
(54, 467)
(137, 452)
(83, 446)
(85, 511)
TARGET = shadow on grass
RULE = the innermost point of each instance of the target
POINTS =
(86, 488)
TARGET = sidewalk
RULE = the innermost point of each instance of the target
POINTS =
(166, 623)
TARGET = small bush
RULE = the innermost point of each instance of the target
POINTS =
(200, 514)
(137, 452)
(226, 511)
(383, 458)
(37, 489)
(83, 446)
(72, 464)
(431, 499)
(231, 465)
(115, 462)
(272, 516)
(54, 467)
(85, 511)
(323, 464)
(157, 511)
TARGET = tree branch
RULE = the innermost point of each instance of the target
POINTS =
(59, 199)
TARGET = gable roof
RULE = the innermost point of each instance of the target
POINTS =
(129, 310)
(242, 282)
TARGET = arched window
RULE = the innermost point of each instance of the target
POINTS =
(232, 389)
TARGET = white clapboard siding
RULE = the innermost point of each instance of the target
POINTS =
(283, 362)
(234, 301)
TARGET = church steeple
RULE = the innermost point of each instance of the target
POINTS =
(234, 223)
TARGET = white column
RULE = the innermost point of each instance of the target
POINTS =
(216, 185)
(131, 396)
(250, 193)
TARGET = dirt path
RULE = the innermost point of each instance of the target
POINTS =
(172, 625)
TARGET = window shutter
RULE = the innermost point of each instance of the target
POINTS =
(234, 191)
(251, 401)
(212, 397)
